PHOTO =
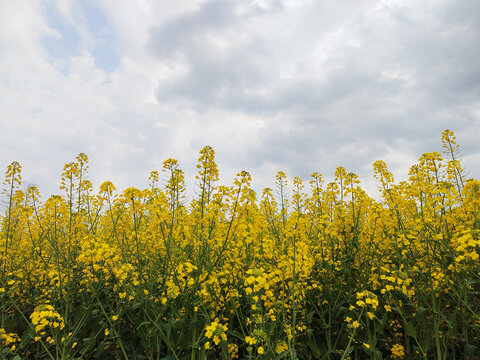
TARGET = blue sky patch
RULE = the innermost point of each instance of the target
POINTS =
(106, 58)
(70, 43)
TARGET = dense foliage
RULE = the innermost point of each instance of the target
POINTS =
(305, 271)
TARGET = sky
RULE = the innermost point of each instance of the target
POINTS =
(300, 86)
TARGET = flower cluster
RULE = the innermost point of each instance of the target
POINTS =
(215, 332)
(9, 339)
(45, 316)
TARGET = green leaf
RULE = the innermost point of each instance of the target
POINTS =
(312, 344)
(88, 343)
(469, 283)
(143, 323)
(137, 305)
(236, 334)
(98, 354)
(470, 350)
(379, 329)
(5, 351)
(348, 351)
(420, 313)
(309, 317)
(410, 330)
(426, 343)
(377, 354)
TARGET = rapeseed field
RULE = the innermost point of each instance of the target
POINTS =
(304, 270)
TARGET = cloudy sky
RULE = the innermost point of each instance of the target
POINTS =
(292, 85)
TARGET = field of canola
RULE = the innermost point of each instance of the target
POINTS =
(305, 270)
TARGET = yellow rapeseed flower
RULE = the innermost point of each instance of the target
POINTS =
(398, 351)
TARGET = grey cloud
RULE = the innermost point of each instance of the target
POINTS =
(183, 32)
(408, 78)
(186, 33)
(231, 78)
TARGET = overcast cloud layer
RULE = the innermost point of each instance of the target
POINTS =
(298, 86)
